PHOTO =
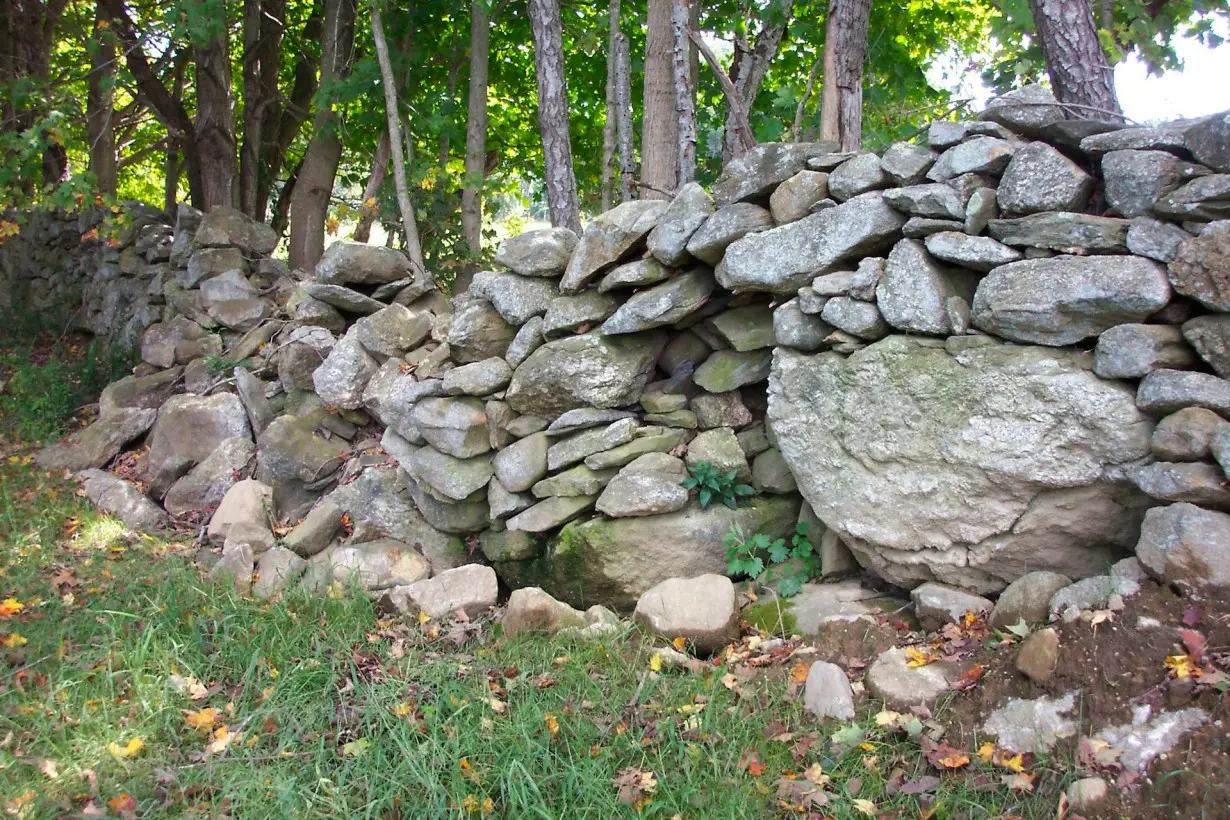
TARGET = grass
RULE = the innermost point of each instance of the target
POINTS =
(132, 686)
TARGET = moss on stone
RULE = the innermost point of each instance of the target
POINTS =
(773, 617)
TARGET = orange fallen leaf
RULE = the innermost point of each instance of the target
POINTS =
(915, 657)
(123, 803)
(10, 607)
(798, 672)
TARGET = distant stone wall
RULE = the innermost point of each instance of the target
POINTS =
(44, 268)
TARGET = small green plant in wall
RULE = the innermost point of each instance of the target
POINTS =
(790, 566)
(711, 485)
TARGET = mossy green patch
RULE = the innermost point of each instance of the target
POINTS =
(773, 617)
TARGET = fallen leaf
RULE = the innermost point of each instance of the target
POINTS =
(750, 762)
(48, 767)
(634, 786)
(552, 724)
(1195, 644)
(865, 807)
(14, 640)
(129, 750)
(10, 607)
(917, 658)
(356, 748)
(123, 804)
(498, 706)
(1019, 783)
(203, 720)
(1182, 666)
(680, 643)
(969, 678)
(798, 672)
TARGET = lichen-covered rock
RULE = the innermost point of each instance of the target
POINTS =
(1039, 178)
(980, 253)
(700, 610)
(1201, 267)
(650, 485)
(478, 332)
(346, 263)
(635, 274)
(1166, 391)
(929, 201)
(343, 376)
(794, 198)
(207, 483)
(1135, 180)
(393, 331)
(913, 294)
(908, 163)
(980, 155)
(668, 241)
(1062, 300)
(608, 239)
(189, 428)
(793, 327)
(726, 226)
(1028, 432)
(1186, 545)
(456, 426)
(857, 175)
(1210, 336)
(1129, 351)
(591, 370)
(758, 171)
(544, 252)
(100, 442)
(662, 304)
(226, 226)
(727, 370)
(123, 500)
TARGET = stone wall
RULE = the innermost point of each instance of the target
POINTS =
(989, 352)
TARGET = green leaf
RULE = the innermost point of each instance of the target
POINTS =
(755, 567)
(778, 553)
(705, 497)
(790, 586)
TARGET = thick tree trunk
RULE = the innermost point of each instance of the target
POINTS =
(1081, 74)
(215, 122)
(751, 66)
(309, 204)
(659, 120)
(169, 110)
(27, 36)
(685, 94)
(476, 129)
(414, 247)
(623, 118)
(100, 107)
(263, 24)
(370, 207)
(287, 121)
(548, 35)
(845, 51)
(608, 126)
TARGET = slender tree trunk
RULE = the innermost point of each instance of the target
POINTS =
(476, 129)
(659, 120)
(100, 107)
(263, 25)
(309, 205)
(685, 94)
(1081, 74)
(548, 35)
(801, 109)
(414, 248)
(623, 118)
(751, 66)
(175, 162)
(743, 127)
(845, 50)
(608, 126)
(287, 120)
(215, 122)
(370, 207)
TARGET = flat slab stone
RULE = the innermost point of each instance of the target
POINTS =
(552, 513)
(1032, 726)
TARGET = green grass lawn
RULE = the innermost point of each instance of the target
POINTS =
(131, 686)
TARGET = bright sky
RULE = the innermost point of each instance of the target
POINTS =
(1201, 87)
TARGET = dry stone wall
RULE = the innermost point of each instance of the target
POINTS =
(994, 351)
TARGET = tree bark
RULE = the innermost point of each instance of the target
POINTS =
(1081, 73)
(749, 68)
(288, 120)
(309, 204)
(608, 126)
(414, 248)
(801, 109)
(215, 120)
(27, 37)
(548, 35)
(175, 163)
(659, 120)
(370, 207)
(743, 127)
(263, 24)
(685, 94)
(845, 51)
(100, 106)
(476, 129)
(625, 136)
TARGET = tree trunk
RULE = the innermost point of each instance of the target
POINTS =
(623, 118)
(659, 120)
(175, 162)
(685, 94)
(750, 68)
(263, 25)
(414, 248)
(286, 122)
(309, 204)
(215, 122)
(370, 207)
(845, 51)
(100, 108)
(476, 129)
(608, 126)
(1081, 74)
(743, 127)
(548, 35)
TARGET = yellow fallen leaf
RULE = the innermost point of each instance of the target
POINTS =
(887, 718)
(1182, 666)
(356, 748)
(129, 750)
(986, 752)
(10, 606)
(916, 657)
(655, 662)
(1016, 763)
(203, 720)
(498, 706)
(552, 724)
(866, 807)
(14, 640)
(956, 760)
(424, 617)
(798, 672)
(402, 709)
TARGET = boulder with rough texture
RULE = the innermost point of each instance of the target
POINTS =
(1032, 726)
(343, 298)
(1040, 178)
(343, 376)
(613, 561)
(177, 341)
(900, 687)
(608, 239)
(980, 155)
(576, 447)
(189, 428)
(929, 201)
(123, 500)
(379, 564)
(915, 291)
(784, 259)
(1130, 351)
(668, 241)
(996, 460)
(276, 569)
(456, 426)
(452, 478)
(1062, 300)
(1027, 599)
(478, 332)
(1205, 199)
(939, 604)
(793, 327)
(1210, 336)
(1201, 267)
(393, 331)
(720, 449)
(1193, 482)
(726, 226)
(1163, 392)
(544, 252)
(1186, 435)
(207, 483)
(1135, 180)
(908, 163)
(226, 226)
(1186, 545)
(345, 263)
(650, 485)
(700, 610)
(1154, 239)
(100, 442)
(1096, 592)
(635, 274)
(794, 198)
(857, 175)
(523, 463)
(1061, 231)
(591, 370)
(530, 609)
(1027, 110)
(1209, 141)
(727, 370)
(248, 503)
(478, 378)
(744, 328)
(757, 172)
(315, 532)
(1038, 655)
(980, 253)
(234, 567)
(827, 692)
(550, 514)
(662, 304)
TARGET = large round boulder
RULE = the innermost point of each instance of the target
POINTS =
(964, 461)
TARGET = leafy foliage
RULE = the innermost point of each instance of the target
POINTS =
(712, 485)
(789, 566)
